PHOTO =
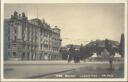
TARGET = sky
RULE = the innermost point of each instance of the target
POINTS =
(79, 22)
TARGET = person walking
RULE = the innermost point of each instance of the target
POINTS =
(111, 61)
(69, 58)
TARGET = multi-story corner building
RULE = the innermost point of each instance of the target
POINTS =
(32, 39)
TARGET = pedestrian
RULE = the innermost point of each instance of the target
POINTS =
(111, 62)
(112, 53)
(69, 58)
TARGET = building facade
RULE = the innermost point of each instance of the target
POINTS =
(32, 39)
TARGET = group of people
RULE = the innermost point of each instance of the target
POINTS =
(75, 59)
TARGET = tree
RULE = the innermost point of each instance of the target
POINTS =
(111, 51)
(107, 46)
(71, 53)
(87, 52)
(121, 46)
(64, 53)
(97, 49)
(76, 56)
(81, 51)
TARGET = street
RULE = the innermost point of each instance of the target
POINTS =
(92, 71)
(84, 70)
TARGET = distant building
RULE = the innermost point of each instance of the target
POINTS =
(76, 47)
(32, 39)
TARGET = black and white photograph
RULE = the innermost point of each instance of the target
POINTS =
(64, 41)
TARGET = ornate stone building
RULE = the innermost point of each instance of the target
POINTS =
(32, 39)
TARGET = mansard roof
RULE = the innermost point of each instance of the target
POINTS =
(36, 21)
(40, 23)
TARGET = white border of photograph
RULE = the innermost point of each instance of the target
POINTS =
(64, 1)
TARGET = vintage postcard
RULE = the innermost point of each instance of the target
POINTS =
(63, 40)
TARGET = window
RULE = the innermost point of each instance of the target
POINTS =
(8, 45)
(45, 45)
(15, 30)
(8, 37)
(14, 45)
(41, 46)
(14, 38)
(14, 54)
